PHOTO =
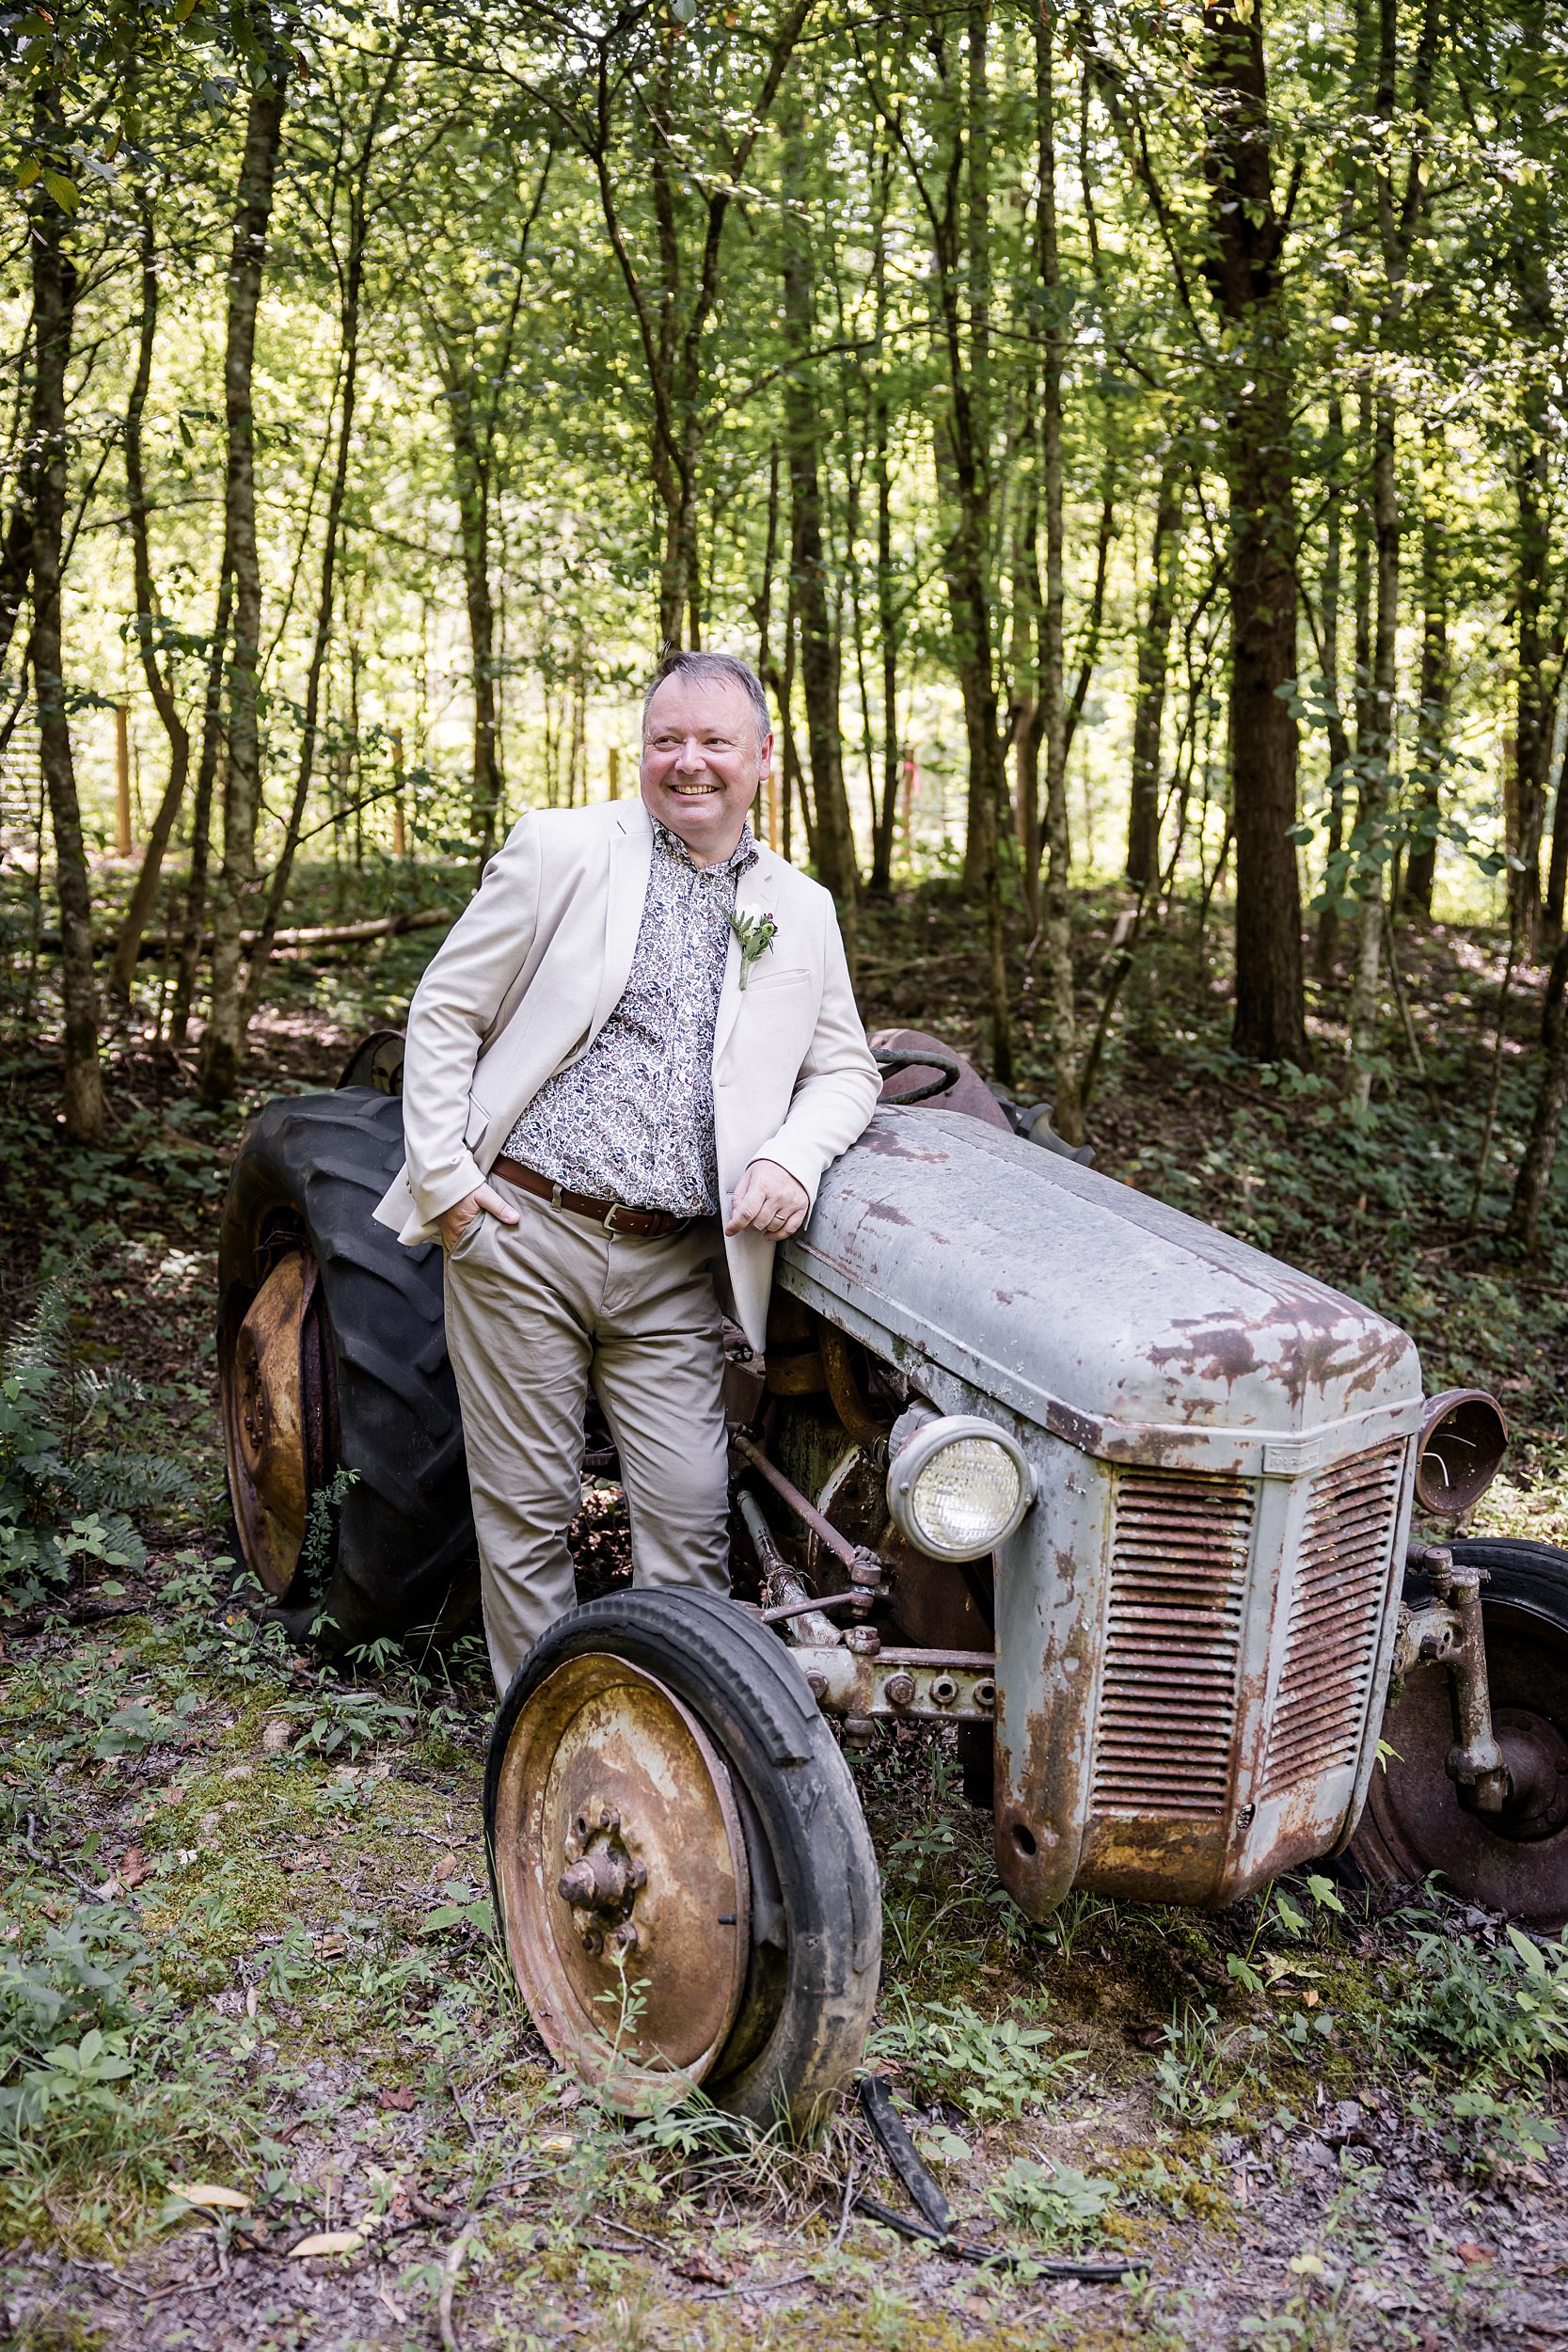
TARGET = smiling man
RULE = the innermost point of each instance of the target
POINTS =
(627, 1069)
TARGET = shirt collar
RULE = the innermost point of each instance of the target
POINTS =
(740, 857)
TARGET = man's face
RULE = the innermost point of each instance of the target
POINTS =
(702, 763)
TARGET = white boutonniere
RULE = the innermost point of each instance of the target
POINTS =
(756, 934)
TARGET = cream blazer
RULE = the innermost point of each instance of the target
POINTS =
(536, 963)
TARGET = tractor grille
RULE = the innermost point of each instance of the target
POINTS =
(1168, 1709)
(1336, 1614)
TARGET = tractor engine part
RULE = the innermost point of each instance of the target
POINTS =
(1460, 1451)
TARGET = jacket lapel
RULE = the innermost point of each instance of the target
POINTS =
(753, 895)
(631, 849)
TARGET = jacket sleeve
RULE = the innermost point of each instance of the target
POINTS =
(454, 1009)
(839, 1082)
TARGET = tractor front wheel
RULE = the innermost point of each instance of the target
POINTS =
(682, 1872)
(1514, 1862)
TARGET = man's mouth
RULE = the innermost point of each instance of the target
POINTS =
(692, 791)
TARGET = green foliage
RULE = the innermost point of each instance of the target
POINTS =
(1190, 2073)
(1498, 2016)
(1057, 2202)
(988, 2066)
(104, 2079)
(67, 1481)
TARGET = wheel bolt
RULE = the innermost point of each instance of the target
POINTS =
(899, 1689)
(592, 1939)
(625, 1937)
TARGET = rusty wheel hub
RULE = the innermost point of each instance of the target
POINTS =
(272, 1373)
(621, 1867)
(1515, 1861)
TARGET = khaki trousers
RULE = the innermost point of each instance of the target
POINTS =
(534, 1311)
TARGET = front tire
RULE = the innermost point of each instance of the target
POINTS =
(682, 1872)
(1515, 1863)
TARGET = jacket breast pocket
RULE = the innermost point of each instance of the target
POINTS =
(769, 983)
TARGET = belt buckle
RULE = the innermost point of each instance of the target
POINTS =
(608, 1220)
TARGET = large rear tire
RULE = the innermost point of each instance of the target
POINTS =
(1515, 1862)
(682, 1872)
(333, 1371)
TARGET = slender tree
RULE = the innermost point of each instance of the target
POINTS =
(242, 796)
(55, 292)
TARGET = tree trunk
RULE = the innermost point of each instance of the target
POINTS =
(1326, 954)
(1558, 876)
(1248, 234)
(1143, 825)
(201, 811)
(353, 282)
(1422, 865)
(472, 482)
(144, 894)
(16, 542)
(1535, 697)
(1055, 903)
(55, 287)
(1377, 787)
(242, 794)
(1535, 1170)
(819, 653)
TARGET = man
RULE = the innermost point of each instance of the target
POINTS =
(627, 1069)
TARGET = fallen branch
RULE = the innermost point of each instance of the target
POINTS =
(307, 936)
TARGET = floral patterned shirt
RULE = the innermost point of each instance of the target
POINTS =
(632, 1118)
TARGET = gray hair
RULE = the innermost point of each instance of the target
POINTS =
(714, 669)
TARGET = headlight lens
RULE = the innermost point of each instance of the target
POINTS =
(958, 1486)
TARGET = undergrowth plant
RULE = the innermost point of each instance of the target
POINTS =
(990, 2067)
(108, 2084)
(67, 1481)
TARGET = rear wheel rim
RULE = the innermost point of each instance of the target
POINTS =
(273, 1377)
(1516, 1863)
(621, 1864)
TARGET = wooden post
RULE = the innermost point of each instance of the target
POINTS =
(123, 844)
(615, 772)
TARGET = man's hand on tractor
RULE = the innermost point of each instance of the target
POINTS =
(454, 1222)
(768, 1199)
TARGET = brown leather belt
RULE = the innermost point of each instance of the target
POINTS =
(612, 1214)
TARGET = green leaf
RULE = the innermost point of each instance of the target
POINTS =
(60, 188)
(28, 172)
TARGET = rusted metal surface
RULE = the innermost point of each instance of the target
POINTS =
(1418, 1819)
(1193, 1623)
(846, 1553)
(960, 1084)
(1464, 1438)
(910, 1684)
(1132, 1332)
(275, 1413)
(785, 1595)
(1321, 1708)
(1475, 1761)
(622, 1865)
(845, 1389)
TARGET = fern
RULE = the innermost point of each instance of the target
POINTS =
(66, 1487)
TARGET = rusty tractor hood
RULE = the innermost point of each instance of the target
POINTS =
(1133, 1331)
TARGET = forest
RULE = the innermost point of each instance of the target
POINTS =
(1130, 441)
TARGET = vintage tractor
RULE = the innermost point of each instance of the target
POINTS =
(1031, 1453)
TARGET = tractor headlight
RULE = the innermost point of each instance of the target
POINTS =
(957, 1485)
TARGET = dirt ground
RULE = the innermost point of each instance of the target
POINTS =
(244, 1937)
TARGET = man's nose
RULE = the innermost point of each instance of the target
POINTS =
(691, 754)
